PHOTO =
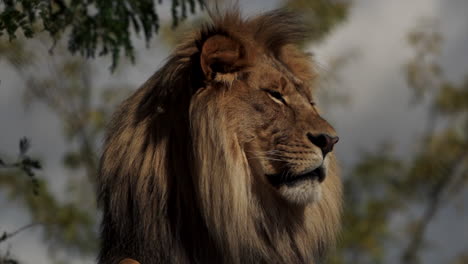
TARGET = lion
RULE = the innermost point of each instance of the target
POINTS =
(221, 156)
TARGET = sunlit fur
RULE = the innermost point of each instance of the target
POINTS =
(178, 182)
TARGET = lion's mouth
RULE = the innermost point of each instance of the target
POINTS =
(290, 179)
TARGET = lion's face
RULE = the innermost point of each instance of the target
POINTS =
(286, 142)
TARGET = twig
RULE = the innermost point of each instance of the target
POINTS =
(410, 254)
(5, 236)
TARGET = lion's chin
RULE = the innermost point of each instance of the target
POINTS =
(302, 193)
(300, 189)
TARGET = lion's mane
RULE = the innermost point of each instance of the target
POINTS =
(175, 185)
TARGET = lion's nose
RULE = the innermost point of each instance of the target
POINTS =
(323, 141)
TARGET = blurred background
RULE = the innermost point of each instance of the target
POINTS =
(394, 83)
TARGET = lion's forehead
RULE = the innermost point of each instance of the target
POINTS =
(274, 73)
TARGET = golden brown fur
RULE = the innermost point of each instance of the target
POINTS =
(183, 173)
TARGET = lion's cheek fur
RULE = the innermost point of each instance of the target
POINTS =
(245, 217)
(221, 175)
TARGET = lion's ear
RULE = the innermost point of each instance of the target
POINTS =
(221, 54)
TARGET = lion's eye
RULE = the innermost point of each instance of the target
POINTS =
(312, 103)
(276, 95)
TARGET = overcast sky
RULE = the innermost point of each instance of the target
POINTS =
(379, 107)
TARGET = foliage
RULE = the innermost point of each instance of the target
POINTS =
(90, 25)
(371, 196)
(68, 224)
(63, 224)
(25, 164)
(439, 170)
(381, 191)
(383, 188)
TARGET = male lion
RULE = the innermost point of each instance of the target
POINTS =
(221, 156)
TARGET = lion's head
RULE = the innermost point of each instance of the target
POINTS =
(221, 156)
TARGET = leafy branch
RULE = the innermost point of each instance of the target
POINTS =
(434, 203)
(25, 164)
(108, 24)
(441, 164)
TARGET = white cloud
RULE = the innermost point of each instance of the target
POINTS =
(375, 80)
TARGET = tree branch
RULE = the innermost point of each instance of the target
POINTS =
(410, 254)
(5, 236)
